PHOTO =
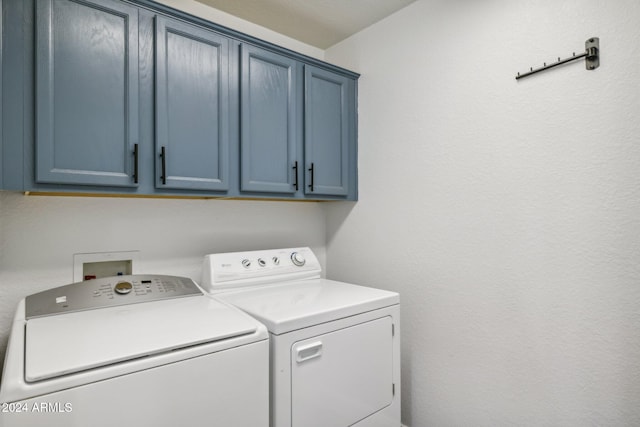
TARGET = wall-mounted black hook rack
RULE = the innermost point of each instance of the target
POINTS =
(591, 54)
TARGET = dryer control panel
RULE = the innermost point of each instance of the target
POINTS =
(231, 270)
(108, 292)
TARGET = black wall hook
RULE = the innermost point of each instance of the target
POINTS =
(591, 55)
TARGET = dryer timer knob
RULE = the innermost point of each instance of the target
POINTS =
(298, 259)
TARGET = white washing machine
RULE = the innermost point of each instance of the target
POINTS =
(335, 347)
(141, 350)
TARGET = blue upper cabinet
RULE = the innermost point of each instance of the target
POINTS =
(134, 97)
(329, 137)
(297, 128)
(192, 107)
(270, 122)
(86, 125)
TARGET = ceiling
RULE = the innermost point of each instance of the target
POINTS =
(320, 23)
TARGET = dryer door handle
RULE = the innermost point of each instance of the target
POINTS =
(309, 351)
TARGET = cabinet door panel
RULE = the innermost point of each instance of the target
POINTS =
(192, 107)
(86, 92)
(326, 132)
(269, 117)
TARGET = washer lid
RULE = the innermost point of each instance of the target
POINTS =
(74, 342)
(300, 304)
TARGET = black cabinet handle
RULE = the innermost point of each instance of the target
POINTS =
(295, 171)
(135, 163)
(311, 183)
(163, 156)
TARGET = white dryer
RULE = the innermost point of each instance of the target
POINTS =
(335, 347)
(141, 350)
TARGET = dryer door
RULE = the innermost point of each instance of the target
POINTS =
(342, 377)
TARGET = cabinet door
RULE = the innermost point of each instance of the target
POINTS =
(326, 138)
(86, 92)
(192, 107)
(270, 122)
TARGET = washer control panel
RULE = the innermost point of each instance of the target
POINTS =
(108, 292)
(238, 269)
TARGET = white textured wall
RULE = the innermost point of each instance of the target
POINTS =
(39, 236)
(507, 214)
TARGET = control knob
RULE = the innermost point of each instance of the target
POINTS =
(246, 263)
(298, 259)
(123, 288)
